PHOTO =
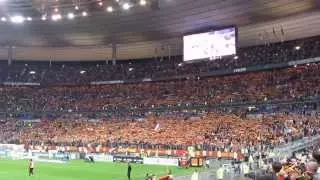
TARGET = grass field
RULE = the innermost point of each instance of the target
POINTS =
(79, 170)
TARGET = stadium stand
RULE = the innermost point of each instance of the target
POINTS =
(167, 116)
(290, 84)
(158, 69)
(212, 132)
(160, 90)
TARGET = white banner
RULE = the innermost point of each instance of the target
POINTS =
(161, 161)
(101, 157)
(21, 84)
(107, 82)
(51, 161)
(12, 147)
(304, 61)
(146, 80)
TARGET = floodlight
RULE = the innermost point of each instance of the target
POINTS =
(110, 9)
(70, 15)
(126, 6)
(17, 19)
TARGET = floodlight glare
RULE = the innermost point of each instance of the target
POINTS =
(143, 2)
(56, 17)
(17, 19)
(70, 15)
(126, 6)
(44, 17)
(110, 9)
(84, 13)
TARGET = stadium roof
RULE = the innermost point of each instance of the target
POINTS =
(156, 24)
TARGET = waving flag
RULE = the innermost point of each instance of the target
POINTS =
(157, 127)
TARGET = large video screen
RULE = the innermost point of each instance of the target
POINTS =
(210, 45)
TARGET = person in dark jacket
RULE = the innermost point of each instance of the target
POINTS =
(129, 171)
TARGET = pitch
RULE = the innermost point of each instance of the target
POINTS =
(79, 170)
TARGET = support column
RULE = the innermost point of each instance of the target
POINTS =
(169, 52)
(114, 54)
(10, 55)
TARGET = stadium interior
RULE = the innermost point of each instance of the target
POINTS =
(160, 89)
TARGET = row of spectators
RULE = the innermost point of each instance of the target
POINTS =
(211, 131)
(131, 70)
(292, 84)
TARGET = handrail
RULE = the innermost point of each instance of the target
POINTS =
(286, 150)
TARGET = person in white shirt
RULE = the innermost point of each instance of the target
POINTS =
(220, 173)
(245, 169)
(251, 161)
(195, 175)
(207, 165)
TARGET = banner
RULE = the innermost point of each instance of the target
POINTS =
(128, 159)
(20, 84)
(146, 80)
(3, 154)
(107, 82)
(51, 161)
(12, 147)
(43, 155)
(101, 157)
(304, 61)
(161, 161)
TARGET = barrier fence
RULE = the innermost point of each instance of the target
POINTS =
(286, 150)
(18, 152)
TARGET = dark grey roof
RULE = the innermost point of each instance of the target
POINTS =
(173, 19)
(255, 18)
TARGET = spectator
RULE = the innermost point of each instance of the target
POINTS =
(195, 175)
(220, 173)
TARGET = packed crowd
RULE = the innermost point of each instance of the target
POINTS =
(83, 73)
(64, 122)
(292, 84)
(211, 131)
(303, 164)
